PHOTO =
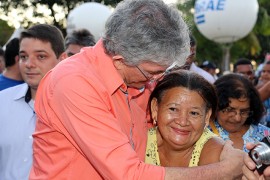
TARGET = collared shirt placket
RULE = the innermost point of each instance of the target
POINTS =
(132, 123)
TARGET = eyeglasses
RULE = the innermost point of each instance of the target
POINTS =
(186, 66)
(153, 78)
(156, 76)
(233, 112)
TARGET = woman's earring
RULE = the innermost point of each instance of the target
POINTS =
(155, 122)
(205, 126)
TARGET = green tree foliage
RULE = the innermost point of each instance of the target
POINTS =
(5, 32)
(65, 7)
(253, 46)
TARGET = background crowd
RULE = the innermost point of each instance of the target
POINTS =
(133, 105)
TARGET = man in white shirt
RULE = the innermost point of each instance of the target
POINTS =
(41, 48)
(190, 65)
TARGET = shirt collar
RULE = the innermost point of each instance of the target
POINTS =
(22, 92)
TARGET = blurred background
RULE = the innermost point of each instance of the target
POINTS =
(15, 14)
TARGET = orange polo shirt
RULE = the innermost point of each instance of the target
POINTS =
(89, 124)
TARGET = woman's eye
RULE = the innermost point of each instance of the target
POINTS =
(194, 114)
(172, 109)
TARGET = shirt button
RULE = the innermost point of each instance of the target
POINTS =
(25, 160)
(30, 137)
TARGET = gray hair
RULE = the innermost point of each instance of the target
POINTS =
(147, 30)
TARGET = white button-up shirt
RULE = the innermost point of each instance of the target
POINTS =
(17, 124)
(202, 72)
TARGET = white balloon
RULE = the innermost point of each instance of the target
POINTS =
(225, 21)
(91, 16)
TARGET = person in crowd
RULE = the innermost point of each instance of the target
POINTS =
(264, 83)
(259, 68)
(2, 60)
(265, 74)
(263, 80)
(190, 62)
(249, 169)
(210, 68)
(96, 127)
(244, 66)
(264, 91)
(40, 49)
(181, 105)
(76, 40)
(239, 111)
(11, 75)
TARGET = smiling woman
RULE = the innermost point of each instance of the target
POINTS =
(181, 106)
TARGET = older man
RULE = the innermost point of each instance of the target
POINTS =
(91, 109)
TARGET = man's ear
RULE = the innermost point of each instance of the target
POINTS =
(63, 56)
(118, 57)
(118, 61)
(17, 58)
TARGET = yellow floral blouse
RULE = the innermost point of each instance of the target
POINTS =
(152, 157)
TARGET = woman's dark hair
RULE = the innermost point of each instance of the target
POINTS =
(191, 81)
(237, 86)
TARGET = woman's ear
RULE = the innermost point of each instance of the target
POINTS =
(154, 109)
(207, 117)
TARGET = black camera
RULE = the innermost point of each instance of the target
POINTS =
(260, 154)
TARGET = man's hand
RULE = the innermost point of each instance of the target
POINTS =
(249, 168)
(233, 160)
